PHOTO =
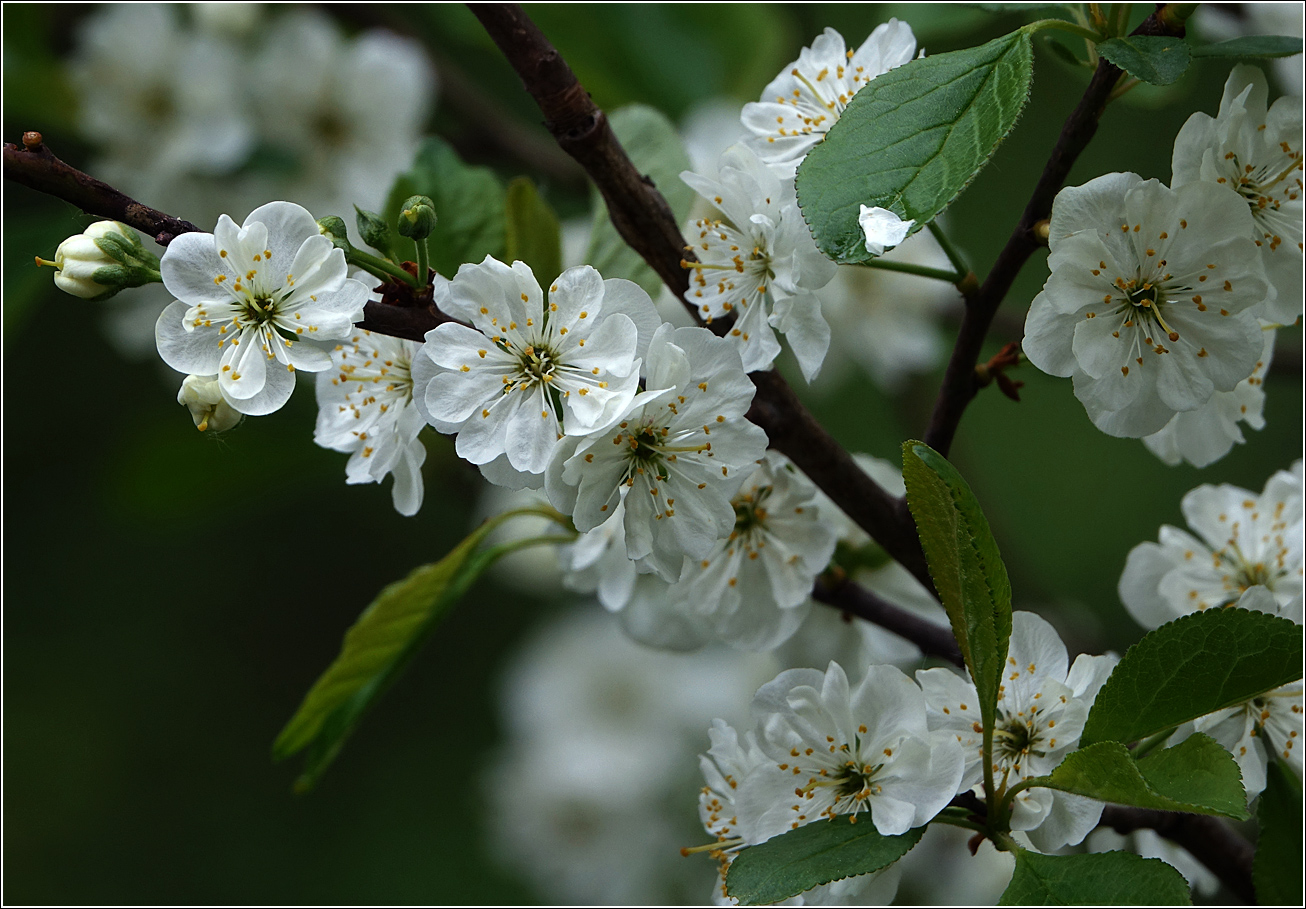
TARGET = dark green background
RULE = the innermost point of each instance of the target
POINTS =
(169, 597)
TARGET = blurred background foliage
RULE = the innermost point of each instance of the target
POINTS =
(169, 597)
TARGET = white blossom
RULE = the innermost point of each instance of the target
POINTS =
(754, 588)
(885, 321)
(1042, 705)
(522, 373)
(838, 750)
(728, 762)
(1257, 152)
(800, 105)
(209, 408)
(365, 408)
(251, 297)
(1205, 435)
(1238, 543)
(679, 454)
(883, 229)
(1268, 726)
(761, 266)
(1151, 299)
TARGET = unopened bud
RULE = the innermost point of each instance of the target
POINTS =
(202, 395)
(334, 229)
(417, 217)
(375, 232)
(102, 260)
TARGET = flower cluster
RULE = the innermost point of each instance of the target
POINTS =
(758, 264)
(1245, 550)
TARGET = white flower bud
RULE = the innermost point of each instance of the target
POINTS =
(208, 408)
(81, 261)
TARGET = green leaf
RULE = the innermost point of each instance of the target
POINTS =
(653, 144)
(531, 231)
(1101, 879)
(1260, 46)
(1198, 776)
(1277, 869)
(965, 564)
(820, 852)
(1157, 59)
(377, 648)
(1195, 665)
(468, 200)
(912, 139)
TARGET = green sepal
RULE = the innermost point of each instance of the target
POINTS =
(376, 232)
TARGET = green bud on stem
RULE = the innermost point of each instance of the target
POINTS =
(417, 218)
(375, 232)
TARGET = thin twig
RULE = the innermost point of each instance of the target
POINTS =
(959, 384)
(35, 166)
(933, 640)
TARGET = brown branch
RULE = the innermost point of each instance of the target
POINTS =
(35, 166)
(1210, 840)
(959, 381)
(638, 211)
(645, 221)
(852, 598)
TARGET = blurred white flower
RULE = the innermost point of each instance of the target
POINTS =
(159, 100)
(887, 322)
(587, 798)
(350, 111)
(1150, 844)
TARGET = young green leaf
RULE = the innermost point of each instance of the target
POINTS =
(912, 139)
(965, 564)
(468, 200)
(1197, 775)
(654, 146)
(1251, 46)
(1102, 879)
(1195, 665)
(1157, 59)
(531, 231)
(377, 648)
(1277, 868)
(820, 852)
